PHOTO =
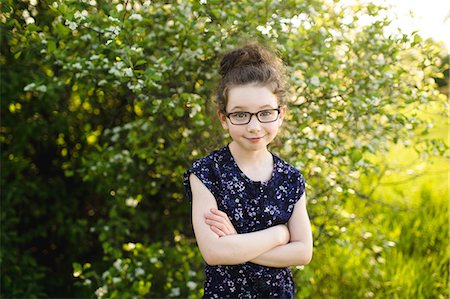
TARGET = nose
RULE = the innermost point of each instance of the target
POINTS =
(254, 125)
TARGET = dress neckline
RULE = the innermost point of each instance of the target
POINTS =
(243, 175)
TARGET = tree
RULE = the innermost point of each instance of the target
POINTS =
(106, 104)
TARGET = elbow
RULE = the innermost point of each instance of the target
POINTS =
(307, 258)
(212, 260)
(307, 254)
(304, 256)
(220, 257)
(217, 261)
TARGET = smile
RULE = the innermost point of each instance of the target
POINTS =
(255, 139)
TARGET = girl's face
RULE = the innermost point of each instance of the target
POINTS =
(251, 98)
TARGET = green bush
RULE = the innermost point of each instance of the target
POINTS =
(105, 104)
(148, 271)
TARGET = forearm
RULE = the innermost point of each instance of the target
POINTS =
(241, 248)
(291, 254)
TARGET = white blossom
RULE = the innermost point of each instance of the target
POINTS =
(264, 29)
(77, 66)
(100, 292)
(175, 292)
(131, 202)
(136, 87)
(114, 19)
(80, 15)
(136, 17)
(119, 7)
(41, 88)
(85, 37)
(139, 271)
(72, 25)
(191, 285)
(192, 273)
(131, 245)
(118, 264)
(29, 87)
(105, 275)
(314, 81)
(128, 72)
(87, 282)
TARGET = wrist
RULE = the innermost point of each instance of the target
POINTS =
(282, 234)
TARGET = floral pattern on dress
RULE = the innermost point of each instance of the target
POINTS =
(251, 206)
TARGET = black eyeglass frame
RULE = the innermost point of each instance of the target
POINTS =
(255, 114)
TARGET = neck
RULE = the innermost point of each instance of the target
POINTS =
(244, 157)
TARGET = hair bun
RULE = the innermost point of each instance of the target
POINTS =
(249, 55)
(251, 64)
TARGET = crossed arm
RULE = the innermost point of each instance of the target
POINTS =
(277, 246)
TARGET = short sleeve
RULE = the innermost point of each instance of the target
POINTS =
(300, 187)
(205, 171)
(297, 185)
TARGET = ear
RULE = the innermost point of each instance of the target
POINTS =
(223, 119)
(283, 110)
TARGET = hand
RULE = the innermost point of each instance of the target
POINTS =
(219, 223)
(285, 235)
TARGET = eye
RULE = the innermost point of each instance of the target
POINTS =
(240, 115)
(266, 113)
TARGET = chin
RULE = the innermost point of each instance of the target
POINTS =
(257, 146)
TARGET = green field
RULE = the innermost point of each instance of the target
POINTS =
(403, 226)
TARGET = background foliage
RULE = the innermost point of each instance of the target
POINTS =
(105, 104)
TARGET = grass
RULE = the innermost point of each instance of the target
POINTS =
(397, 245)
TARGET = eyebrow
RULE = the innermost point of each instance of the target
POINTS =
(242, 108)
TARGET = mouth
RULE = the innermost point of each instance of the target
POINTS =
(255, 139)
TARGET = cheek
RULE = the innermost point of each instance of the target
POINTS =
(276, 125)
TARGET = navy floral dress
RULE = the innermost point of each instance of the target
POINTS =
(251, 206)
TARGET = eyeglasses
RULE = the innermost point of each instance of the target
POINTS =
(264, 116)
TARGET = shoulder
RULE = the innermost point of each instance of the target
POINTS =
(291, 179)
(286, 169)
(210, 165)
(207, 170)
(210, 161)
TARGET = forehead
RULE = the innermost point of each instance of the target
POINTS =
(250, 97)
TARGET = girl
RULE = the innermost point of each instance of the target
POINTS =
(248, 205)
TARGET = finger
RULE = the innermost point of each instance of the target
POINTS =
(219, 225)
(227, 230)
(222, 214)
(217, 231)
(216, 218)
(219, 213)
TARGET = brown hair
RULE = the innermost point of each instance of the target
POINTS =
(251, 64)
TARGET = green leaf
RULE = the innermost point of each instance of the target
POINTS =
(51, 46)
(140, 62)
(179, 111)
(356, 155)
(77, 269)
(417, 39)
(33, 27)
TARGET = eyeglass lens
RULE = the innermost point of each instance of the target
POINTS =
(245, 117)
